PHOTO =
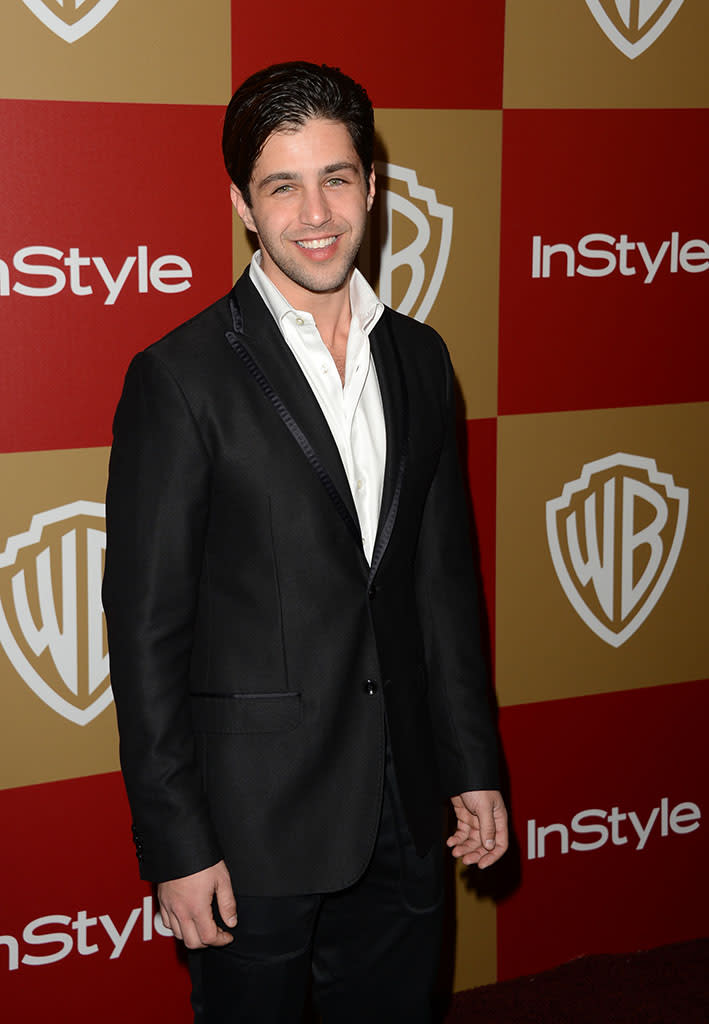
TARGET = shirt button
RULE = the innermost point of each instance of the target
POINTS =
(360, 485)
(299, 320)
(371, 687)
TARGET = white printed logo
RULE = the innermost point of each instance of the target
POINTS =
(682, 818)
(50, 575)
(598, 254)
(633, 25)
(41, 273)
(70, 19)
(414, 215)
(85, 935)
(615, 535)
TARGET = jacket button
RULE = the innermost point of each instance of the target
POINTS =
(371, 687)
(372, 591)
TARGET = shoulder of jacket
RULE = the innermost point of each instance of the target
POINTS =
(406, 327)
(414, 337)
(190, 339)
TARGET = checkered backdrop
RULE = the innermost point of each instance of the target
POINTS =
(542, 202)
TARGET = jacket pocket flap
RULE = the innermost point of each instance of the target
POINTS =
(246, 712)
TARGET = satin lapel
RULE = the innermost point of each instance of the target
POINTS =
(274, 367)
(392, 385)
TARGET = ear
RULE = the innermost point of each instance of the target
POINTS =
(371, 189)
(241, 207)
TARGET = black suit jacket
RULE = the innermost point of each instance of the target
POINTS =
(253, 649)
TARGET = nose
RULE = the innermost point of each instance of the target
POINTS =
(315, 209)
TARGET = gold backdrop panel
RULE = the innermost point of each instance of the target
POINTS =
(126, 51)
(597, 53)
(56, 717)
(602, 551)
(476, 934)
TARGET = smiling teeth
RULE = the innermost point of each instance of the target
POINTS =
(318, 243)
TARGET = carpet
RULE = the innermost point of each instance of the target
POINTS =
(668, 985)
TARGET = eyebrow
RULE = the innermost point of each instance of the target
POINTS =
(343, 165)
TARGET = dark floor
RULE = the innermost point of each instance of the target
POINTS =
(668, 985)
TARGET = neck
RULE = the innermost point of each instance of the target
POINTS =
(330, 310)
(332, 314)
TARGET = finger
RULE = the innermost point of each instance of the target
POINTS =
(205, 926)
(464, 817)
(227, 903)
(191, 936)
(173, 924)
(467, 850)
(502, 835)
(459, 836)
(210, 934)
(465, 825)
(475, 857)
(487, 826)
(485, 859)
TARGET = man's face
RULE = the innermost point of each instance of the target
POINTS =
(309, 204)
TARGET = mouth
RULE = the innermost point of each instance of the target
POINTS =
(317, 243)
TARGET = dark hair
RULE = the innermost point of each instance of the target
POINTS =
(286, 96)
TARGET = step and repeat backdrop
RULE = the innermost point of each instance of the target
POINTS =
(542, 202)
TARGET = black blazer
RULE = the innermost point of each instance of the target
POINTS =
(253, 649)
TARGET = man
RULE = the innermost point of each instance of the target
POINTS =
(291, 603)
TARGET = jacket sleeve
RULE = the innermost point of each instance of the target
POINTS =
(156, 515)
(449, 607)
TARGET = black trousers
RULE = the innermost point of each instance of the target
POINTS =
(372, 949)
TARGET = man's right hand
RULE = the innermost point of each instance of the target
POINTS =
(186, 907)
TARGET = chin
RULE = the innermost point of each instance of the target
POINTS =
(328, 281)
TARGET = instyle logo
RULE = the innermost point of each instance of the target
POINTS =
(600, 255)
(593, 828)
(615, 535)
(40, 273)
(51, 616)
(633, 25)
(412, 241)
(70, 19)
(53, 937)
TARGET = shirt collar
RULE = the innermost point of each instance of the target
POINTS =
(366, 308)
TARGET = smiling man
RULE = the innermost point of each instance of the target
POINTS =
(291, 600)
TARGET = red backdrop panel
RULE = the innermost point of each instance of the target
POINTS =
(632, 334)
(78, 870)
(118, 186)
(589, 764)
(407, 55)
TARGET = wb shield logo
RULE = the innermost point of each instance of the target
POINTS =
(633, 25)
(410, 234)
(51, 617)
(70, 19)
(615, 535)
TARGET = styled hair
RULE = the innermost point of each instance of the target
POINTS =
(285, 96)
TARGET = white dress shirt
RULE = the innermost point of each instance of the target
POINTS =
(354, 410)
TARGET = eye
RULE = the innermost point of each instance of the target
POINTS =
(281, 189)
(336, 181)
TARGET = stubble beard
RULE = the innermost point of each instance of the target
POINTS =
(314, 280)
